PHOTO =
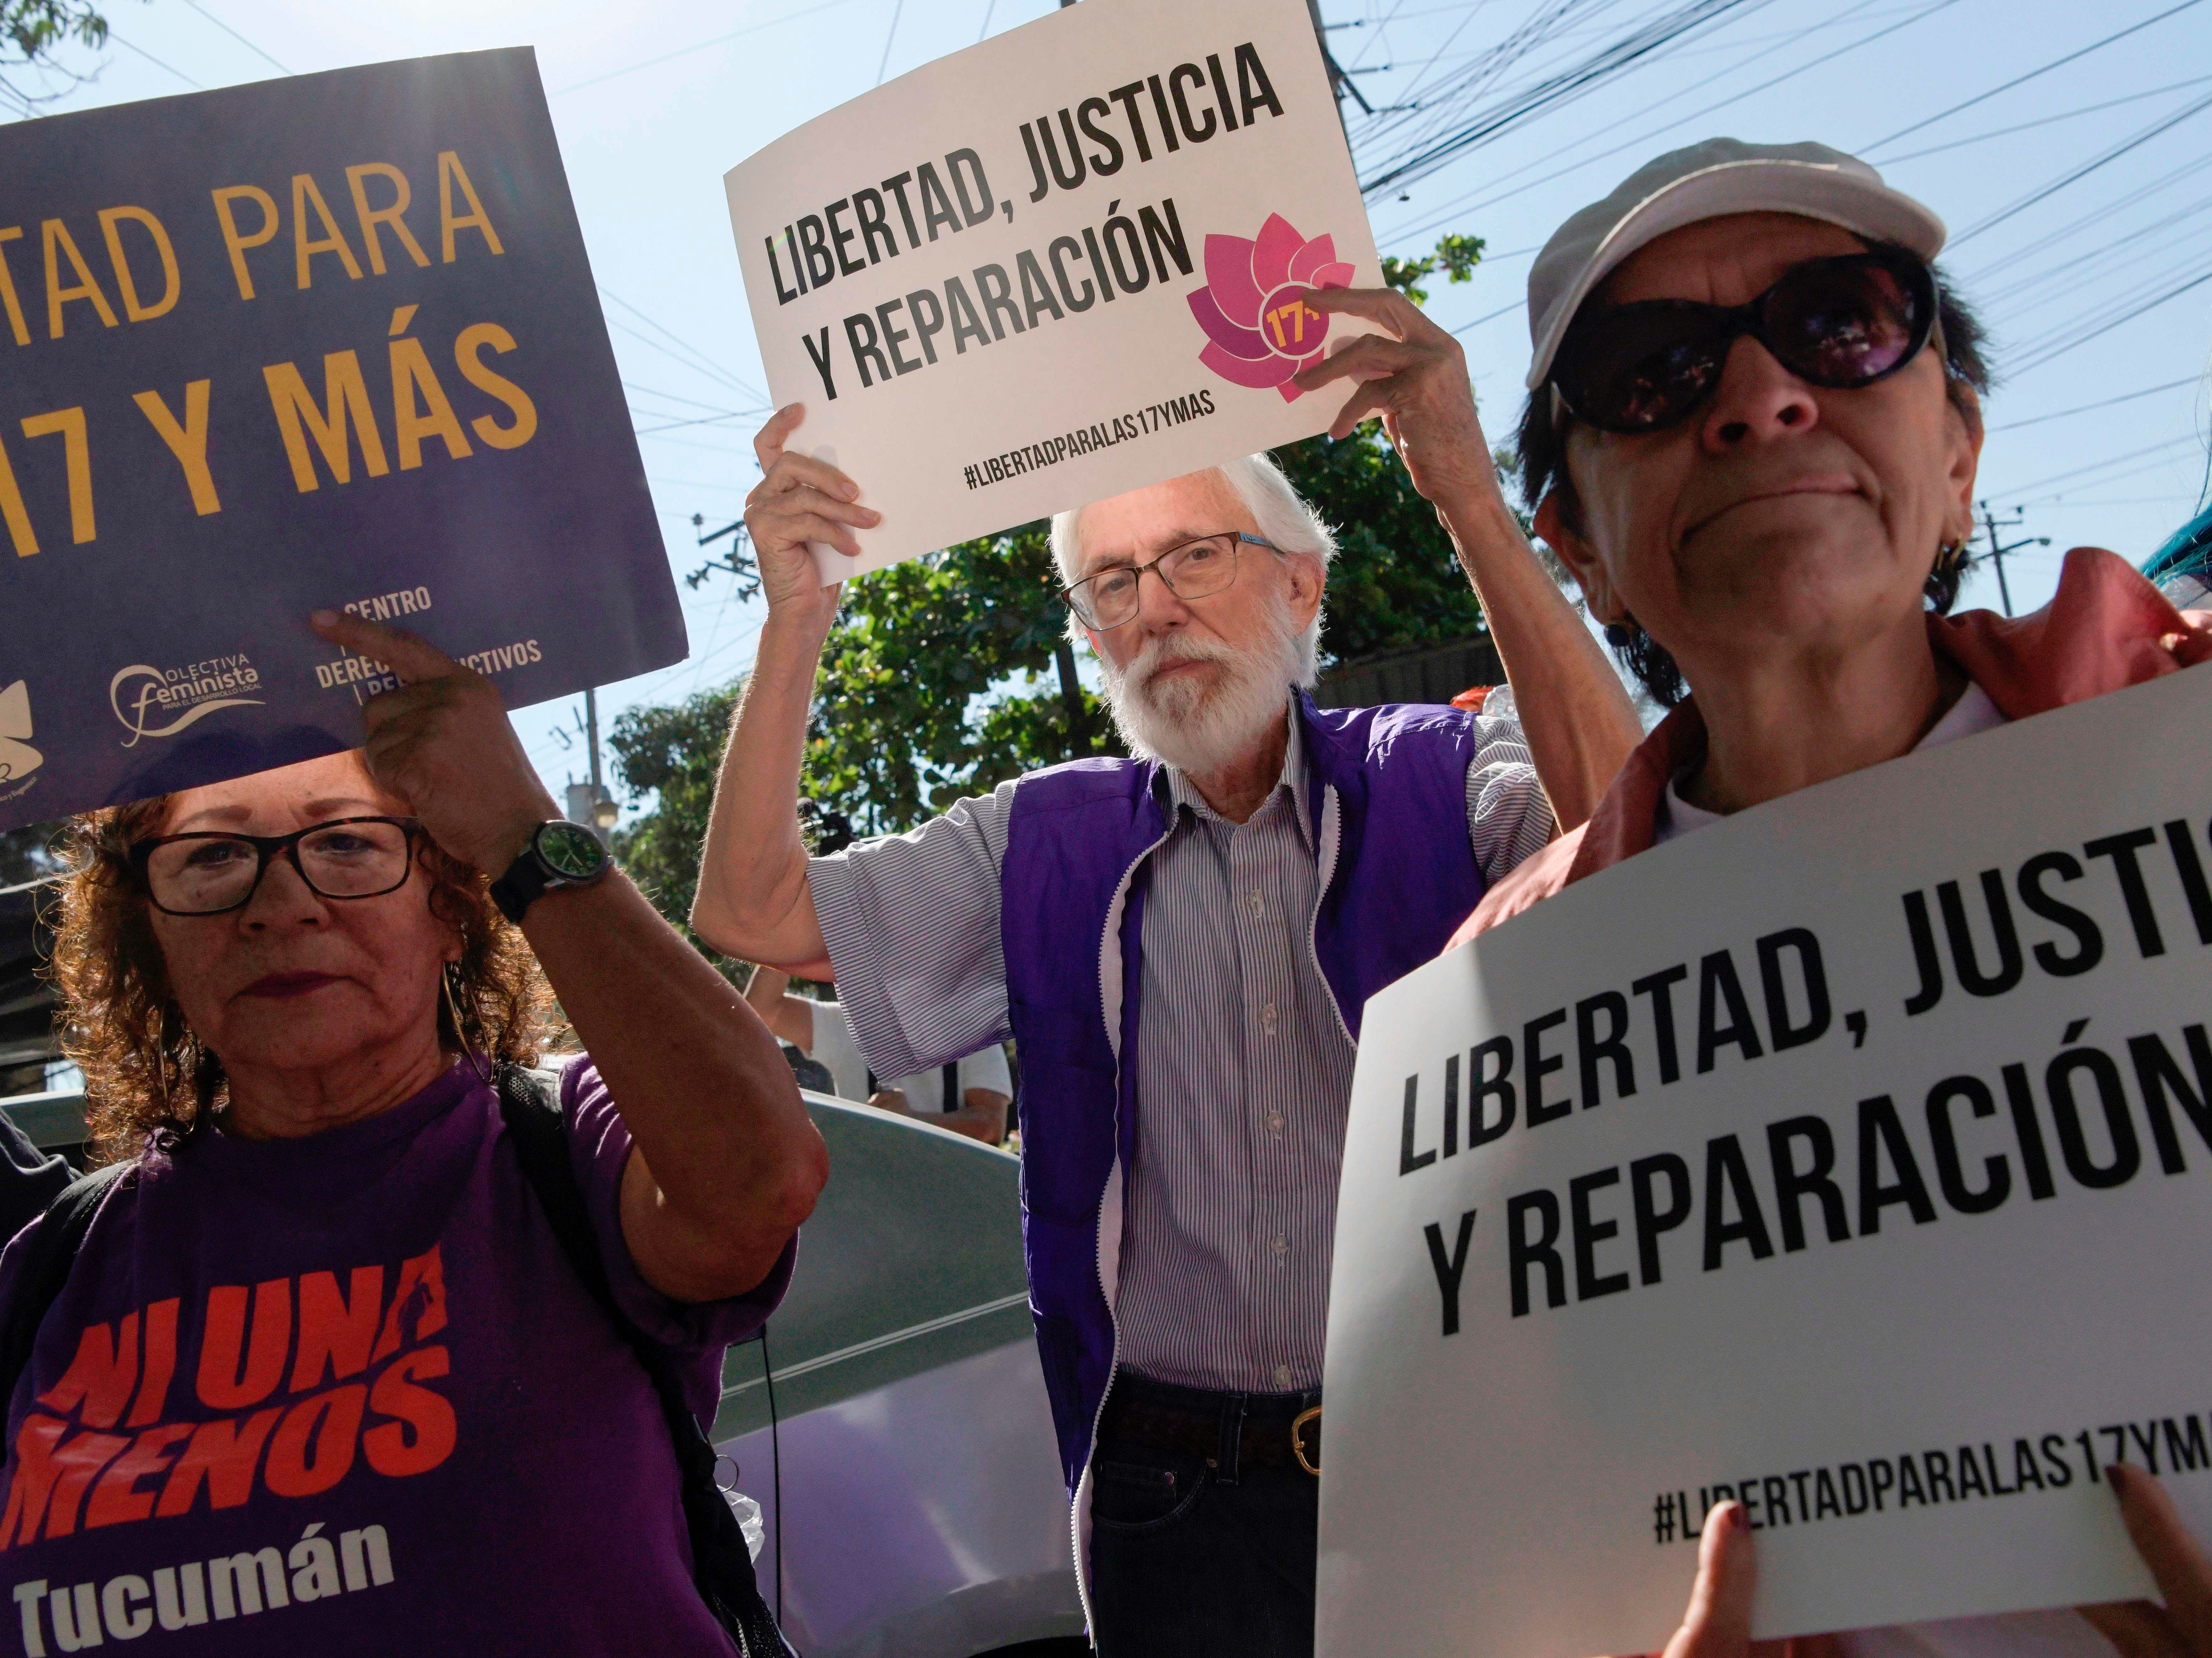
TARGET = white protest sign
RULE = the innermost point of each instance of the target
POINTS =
(1063, 264)
(1852, 1157)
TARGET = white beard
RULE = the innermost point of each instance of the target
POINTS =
(1199, 727)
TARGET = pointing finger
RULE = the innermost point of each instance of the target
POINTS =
(406, 654)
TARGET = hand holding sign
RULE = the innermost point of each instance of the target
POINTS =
(1716, 1623)
(800, 501)
(2183, 1627)
(443, 743)
(1418, 383)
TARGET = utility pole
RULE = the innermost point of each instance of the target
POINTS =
(591, 736)
(1998, 550)
(1339, 82)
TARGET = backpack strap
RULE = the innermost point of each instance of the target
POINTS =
(49, 1249)
(721, 1564)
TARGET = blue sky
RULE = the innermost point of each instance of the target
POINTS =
(654, 99)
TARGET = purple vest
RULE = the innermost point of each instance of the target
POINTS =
(1387, 793)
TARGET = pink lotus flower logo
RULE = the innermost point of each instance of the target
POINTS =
(1259, 329)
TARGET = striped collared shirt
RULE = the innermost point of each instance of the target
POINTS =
(1243, 1064)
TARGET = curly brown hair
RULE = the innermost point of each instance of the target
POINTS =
(146, 1073)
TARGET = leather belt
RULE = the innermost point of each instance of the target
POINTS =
(1197, 1434)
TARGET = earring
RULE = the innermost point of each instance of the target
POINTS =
(460, 1031)
(161, 1055)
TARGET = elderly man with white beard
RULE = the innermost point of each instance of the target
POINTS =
(1181, 944)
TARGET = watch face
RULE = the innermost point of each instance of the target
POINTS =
(573, 851)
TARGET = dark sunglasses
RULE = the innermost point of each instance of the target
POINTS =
(1839, 322)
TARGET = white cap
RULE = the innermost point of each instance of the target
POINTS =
(1709, 180)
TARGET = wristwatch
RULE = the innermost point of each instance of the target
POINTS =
(560, 854)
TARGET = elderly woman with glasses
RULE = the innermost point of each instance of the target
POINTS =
(327, 1372)
(1752, 430)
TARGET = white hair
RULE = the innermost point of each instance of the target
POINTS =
(1286, 521)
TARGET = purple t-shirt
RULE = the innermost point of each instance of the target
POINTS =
(345, 1394)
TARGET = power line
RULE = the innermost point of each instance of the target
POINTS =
(2043, 121)
(152, 59)
(1667, 126)
(2049, 273)
(2108, 326)
(2187, 169)
(890, 35)
(2022, 80)
(233, 34)
(2117, 460)
(705, 363)
(2083, 408)
(1519, 108)
(2133, 141)
(698, 45)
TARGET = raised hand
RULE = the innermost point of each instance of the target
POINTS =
(443, 743)
(799, 499)
(1414, 375)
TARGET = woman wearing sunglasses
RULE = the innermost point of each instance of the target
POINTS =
(322, 1375)
(1752, 429)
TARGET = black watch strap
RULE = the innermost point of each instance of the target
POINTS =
(523, 885)
(575, 857)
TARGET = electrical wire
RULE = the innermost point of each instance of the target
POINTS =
(2132, 142)
(142, 51)
(891, 34)
(2187, 169)
(705, 361)
(233, 33)
(1519, 108)
(2052, 272)
(2043, 121)
(2022, 80)
(2083, 408)
(1447, 211)
(698, 45)
(2110, 323)
(1698, 114)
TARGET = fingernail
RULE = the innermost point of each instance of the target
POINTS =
(874, 517)
(2116, 1475)
(324, 618)
(1739, 1517)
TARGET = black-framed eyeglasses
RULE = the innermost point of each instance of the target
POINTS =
(1839, 322)
(1192, 569)
(212, 874)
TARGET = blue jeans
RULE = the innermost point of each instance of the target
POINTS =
(1189, 1560)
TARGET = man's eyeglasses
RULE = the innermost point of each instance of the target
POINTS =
(1840, 323)
(211, 874)
(1193, 570)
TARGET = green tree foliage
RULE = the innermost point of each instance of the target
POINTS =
(31, 30)
(1455, 255)
(674, 752)
(946, 675)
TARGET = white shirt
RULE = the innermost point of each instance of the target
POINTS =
(1973, 712)
(985, 1068)
(840, 1055)
(2058, 1633)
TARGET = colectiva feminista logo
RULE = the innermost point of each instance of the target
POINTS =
(162, 701)
(1258, 330)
